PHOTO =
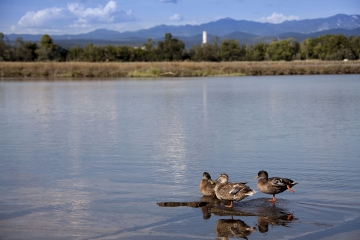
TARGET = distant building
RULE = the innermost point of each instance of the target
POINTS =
(204, 37)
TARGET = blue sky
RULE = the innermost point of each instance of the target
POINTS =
(81, 16)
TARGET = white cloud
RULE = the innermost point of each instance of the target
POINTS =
(278, 18)
(106, 14)
(76, 15)
(41, 17)
(176, 17)
(85, 15)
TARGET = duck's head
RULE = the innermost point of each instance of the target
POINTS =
(207, 177)
(223, 178)
(262, 174)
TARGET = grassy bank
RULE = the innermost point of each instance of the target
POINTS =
(174, 69)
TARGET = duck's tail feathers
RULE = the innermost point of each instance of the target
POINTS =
(294, 183)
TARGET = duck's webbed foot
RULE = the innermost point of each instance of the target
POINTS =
(289, 188)
(229, 206)
(273, 200)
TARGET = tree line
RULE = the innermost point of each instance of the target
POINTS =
(327, 47)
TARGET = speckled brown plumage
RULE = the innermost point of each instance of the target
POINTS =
(225, 190)
(207, 185)
(273, 185)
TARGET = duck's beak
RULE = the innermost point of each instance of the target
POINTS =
(256, 177)
(211, 181)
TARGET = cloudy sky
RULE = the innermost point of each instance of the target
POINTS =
(81, 16)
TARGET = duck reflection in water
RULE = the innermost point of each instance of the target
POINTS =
(226, 228)
(282, 220)
(266, 215)
(212, 207)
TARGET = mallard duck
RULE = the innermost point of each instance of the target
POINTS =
(207, 185)
(273, 185)
(225, 190)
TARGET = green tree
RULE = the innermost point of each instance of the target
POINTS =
(205, 52)
(138, 55)
(196, 53)
(243, 50)
(354, 43)
(341, 54)
(210, 51)
(171, 49)
(75, 54)
(307, 49)
(329, 47)
(123, 53)
(5, 49)
(49, 51)
(257, 52)
(294, 47)
(338, 48)
(149, 45)
(93, 53)
(46, 51)
(25, 51)
(319, 49)
(150, 51)
(110, 53)
(229, 50)
(280, 50)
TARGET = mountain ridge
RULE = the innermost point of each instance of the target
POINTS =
(223, 28)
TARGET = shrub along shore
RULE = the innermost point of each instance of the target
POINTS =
(172, 69)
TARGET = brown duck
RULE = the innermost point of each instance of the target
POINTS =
(225, 190)
(273, 185)
(207, 185)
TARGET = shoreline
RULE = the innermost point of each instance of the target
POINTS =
(173, 69)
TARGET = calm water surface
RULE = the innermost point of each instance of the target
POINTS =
(122, 159)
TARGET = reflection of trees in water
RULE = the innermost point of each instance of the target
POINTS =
(267, 214)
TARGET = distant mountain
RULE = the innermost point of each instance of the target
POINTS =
(322, 24)
(345, 32)
(227, 26)
(300, 37)
(247, 32)
(99, 34)
(239, 35)
(102, 34)
(25, 37)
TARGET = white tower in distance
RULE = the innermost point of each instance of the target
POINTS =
(204, 37)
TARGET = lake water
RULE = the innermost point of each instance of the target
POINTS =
(122, 159)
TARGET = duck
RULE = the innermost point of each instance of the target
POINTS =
(225, 190)
(273, 185)
(207, 185)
